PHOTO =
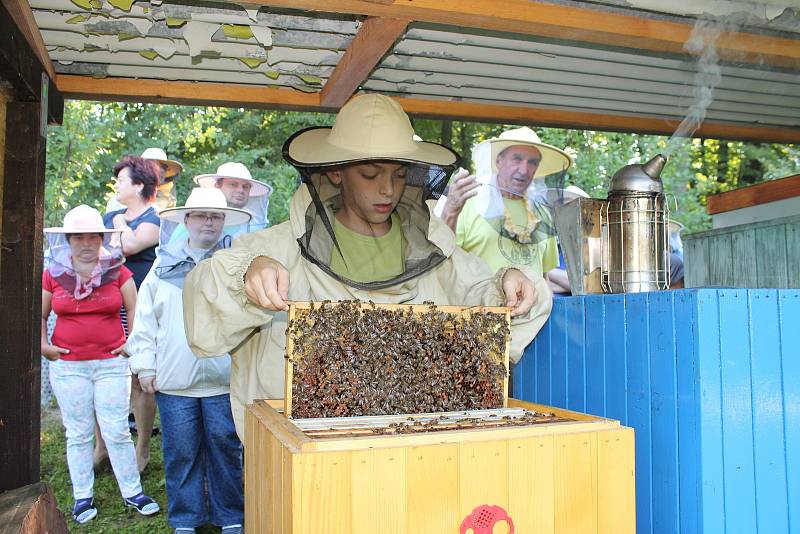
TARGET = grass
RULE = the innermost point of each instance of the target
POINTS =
(113, 516)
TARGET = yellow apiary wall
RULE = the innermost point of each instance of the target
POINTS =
(558, 478)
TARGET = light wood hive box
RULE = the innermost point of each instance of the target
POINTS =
(572, 476)
(568, 478)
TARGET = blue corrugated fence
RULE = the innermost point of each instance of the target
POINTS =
(710, 381)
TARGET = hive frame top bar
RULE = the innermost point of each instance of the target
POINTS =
(295, 306)
(377, 421)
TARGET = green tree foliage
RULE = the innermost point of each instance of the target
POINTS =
(81, 153)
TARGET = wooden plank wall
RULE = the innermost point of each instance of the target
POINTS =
(4, 98)
(21, 286)
(762, 255)
(23, 76)
(708, 380)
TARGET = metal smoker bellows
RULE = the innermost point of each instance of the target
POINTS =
(619, 245)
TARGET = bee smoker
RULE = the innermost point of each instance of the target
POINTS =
(618, 245)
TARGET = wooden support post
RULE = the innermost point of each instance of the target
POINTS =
(27, 104)
(21, 287)
(374, 38)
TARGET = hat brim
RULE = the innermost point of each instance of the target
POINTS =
(65, 230)
(554, 160)
(311, 148)
(259, 189)
(172, 168)
(233, 216)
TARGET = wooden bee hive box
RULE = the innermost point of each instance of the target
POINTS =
(565, 473)
(359, 358)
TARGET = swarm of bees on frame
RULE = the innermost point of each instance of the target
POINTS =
(351, 361)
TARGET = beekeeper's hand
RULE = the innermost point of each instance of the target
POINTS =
(266, 283)
(519, 290)
(463, 187)
(148, 384)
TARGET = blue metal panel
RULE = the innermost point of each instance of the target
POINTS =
(789, 324)
(710, 381)
(687, 382)
(709, 415)
(737, 416)
(558, 355)
(638, 397)
(576, 368)
(595, 356)
(663, 412)
(544, 377)
(616, 357)
(768, 424)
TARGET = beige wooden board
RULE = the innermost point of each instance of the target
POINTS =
(530, 484)
(275, 482)
(324, 491)
(252, 516)
(575, 505)
(484, 475)
(616, 495)
(290, 505)
(432, 507)
(379, 491)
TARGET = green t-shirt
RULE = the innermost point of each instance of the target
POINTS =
(368, 258)
(477, 235)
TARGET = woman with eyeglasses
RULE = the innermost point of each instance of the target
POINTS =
(201, 448)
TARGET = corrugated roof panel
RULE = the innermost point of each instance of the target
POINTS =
(181, 74)
(483, 67)
(189, 42)
(557, 101)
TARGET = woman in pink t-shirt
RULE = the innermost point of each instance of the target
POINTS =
(85, 283)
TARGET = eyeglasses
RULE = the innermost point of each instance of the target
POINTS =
(213, 217)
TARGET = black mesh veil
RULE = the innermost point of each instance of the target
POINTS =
(424, 181)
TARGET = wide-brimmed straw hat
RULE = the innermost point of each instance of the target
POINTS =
(207, 199)
(82, 219)
(170, 167)
(553, 159)
(369, 127)
(235, 170)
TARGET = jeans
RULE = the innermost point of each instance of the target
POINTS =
(103, 388)
(201, 446)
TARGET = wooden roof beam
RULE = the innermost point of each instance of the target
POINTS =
(185, 93)
(218, 94)
(595, 25)
(375, 37)
(562, 118)
(20, 11)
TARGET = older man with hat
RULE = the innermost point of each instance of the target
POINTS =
(500, 214)
(241, 191)
(199, 440)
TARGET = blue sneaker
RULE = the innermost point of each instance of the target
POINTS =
(232, 529)
(84, 510)
(143, 504)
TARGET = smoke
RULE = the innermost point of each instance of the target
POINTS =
(703, 44)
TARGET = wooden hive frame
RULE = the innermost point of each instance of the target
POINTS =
(301, 306)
